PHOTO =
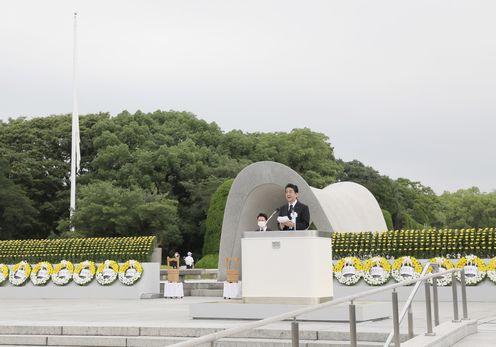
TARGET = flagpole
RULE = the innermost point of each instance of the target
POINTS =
(75, 155)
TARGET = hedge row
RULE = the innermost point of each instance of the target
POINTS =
(422, 244)
(120, 249)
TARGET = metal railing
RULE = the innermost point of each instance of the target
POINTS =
(407, 308)
(211, 338)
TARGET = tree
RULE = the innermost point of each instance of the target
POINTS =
(107, 210)
(17, 214)
(215, 218)
(469, 208)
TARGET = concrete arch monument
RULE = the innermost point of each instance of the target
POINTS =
(343, 206)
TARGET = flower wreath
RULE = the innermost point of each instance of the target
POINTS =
(130, 272)
(491, 269)
(62, 273)
(84, 272)
(348, 270)
(475, 269)
(406, 268)
(41, 273)
(376, 271)
(106, 273)
(4, 273)
(444, 264)
(19, 273)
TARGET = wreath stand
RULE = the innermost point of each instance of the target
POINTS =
(173, 288)
(232, 287)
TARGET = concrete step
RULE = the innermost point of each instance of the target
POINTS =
(203, 285)
(207, 292)
(115, 336)
(185, 332)
(195, 288)
(151, 341)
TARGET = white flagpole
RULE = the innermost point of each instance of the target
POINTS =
(75, 151)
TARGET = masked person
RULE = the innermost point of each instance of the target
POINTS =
(262, 222)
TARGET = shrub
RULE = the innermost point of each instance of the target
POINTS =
(215, 217)
(210, 261)
(388, 219)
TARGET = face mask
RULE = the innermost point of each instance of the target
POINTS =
(261, 224)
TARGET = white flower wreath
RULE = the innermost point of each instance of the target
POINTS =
(106, 273)
(376, 271)
(348, 270)
(130, 272)
(84, 272)
(62, 273)
(475, 269)
(406, 268)
(444, 264)
(4, 273)
(41, 273)
(20, 273)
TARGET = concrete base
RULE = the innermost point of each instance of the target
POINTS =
(286, 300)
(236, 309)
(148, 284)
(445, 334)
(483, 292)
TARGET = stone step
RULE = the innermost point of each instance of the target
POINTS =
(203, 285)
(207, 292)
(185, 332)
(151, 341)
(194, 288)
(160, 336)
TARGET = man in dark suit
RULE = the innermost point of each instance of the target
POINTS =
(294, 210)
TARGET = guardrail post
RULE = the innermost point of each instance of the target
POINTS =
(428, 309)
(435, 297)
(396, 319)
(464, 294)
(455, 299)
(410, 322)
(295, 334)
(353, 332)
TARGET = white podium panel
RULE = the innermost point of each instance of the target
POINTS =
(292, 267)
(232, 290)
(173, 290)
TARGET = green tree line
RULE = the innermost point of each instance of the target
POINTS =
(155, 173)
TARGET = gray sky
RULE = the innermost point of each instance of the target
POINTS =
(406, 87)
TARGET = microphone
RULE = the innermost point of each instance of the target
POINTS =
(273, 213)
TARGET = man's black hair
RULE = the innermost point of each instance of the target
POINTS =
(292, 186)
(262, 215)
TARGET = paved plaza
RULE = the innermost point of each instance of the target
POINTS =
(174, 313)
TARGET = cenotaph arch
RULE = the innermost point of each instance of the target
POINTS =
(343, 206)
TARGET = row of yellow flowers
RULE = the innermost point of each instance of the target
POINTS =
(64, 272)
(77, 249)
(422, 244)
(378, 270)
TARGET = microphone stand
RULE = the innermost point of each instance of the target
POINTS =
(273, 213)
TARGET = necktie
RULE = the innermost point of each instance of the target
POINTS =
(290, 212)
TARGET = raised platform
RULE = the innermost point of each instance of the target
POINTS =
(148, 284)
(236, 309)
(483, 292)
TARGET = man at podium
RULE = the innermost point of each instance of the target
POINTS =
(294, 215)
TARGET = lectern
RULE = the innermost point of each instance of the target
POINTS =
(286, 267)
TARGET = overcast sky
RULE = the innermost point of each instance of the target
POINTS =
(408, 88)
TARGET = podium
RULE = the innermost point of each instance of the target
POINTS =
(286, 267)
